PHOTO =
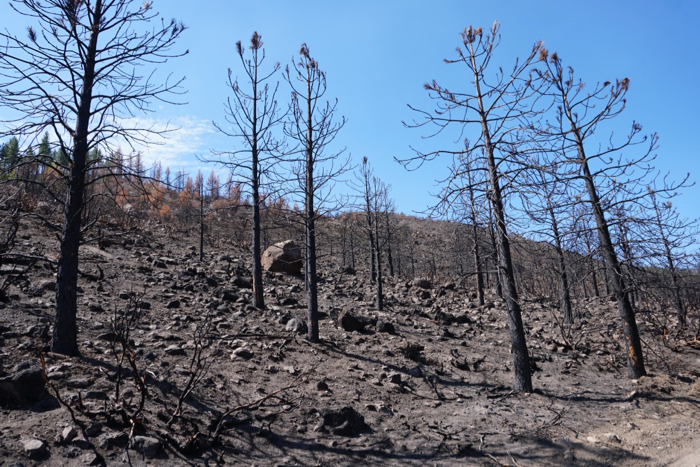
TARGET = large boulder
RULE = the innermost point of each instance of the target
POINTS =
(351, 321)
(283, 257)
(25, 386)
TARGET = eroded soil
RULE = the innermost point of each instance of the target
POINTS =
(435, 392)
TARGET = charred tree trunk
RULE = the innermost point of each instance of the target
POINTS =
(65, 333)
(496, 271)
(311, 279)
(475, 248)
(380, 292)
(563, 277)
(389, 256)
(635, 359)
(670, 264)
(521, 357)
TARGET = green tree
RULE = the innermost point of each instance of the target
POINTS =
(10, 153)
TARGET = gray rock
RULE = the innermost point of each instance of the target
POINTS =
(91, 458)
(243, 353)
(37, 330)
(297, 325)
(175, 350)
(146, 445)
(383, 326)
(283, 257)
(26, 386)
(94, 429)
(35, 448)
(422, 283)
(243, 282)
(79, 383)
(96, 395)
(284, 319)
(351, 321)
(68, 434)
(342, 422)
(117, 440)
(228, 295)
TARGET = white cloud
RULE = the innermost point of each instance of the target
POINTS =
(184, 138)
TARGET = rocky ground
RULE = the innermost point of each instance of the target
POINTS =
(427, 381)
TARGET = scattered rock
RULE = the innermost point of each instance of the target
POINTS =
(91, 458)
(67, 435)
(227, 295)
(117, 440)
(35, 448)
(79, 383)
(94, 429)
(422, 283)
(146, 445)
(322, 386)
(26, 386)
(243, 353)
(243, 282)
(175, 350)
(350, 321)
(395, 378)
(383, 326)
(297, 326)
(342, 422)
(96, 395)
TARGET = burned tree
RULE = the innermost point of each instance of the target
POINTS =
(545, 197)
(495, 109)
(374, 203)
(253, 114)
(312, 126)
(578, 114)
(77, 75)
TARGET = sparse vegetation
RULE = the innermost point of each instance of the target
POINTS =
(403, 342)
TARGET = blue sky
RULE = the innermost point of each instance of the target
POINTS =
(377, 55)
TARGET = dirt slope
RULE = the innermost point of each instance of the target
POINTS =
(435, 391)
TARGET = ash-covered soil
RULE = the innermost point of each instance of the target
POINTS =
(436, 391)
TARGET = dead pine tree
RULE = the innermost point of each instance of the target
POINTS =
(77, 74)
(578, 114)
(312, 126)
(674, 237)
(468, 208)
(544, 198)
(253, 114)
(495, 109)
(374, 203)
